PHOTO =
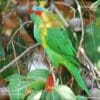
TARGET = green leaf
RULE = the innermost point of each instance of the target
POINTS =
(54, 95)
(65, 92)
(38, 74)
(60, 92)
(15, 77)
(92, 42)
(37, 84)
(38, 78)
(98, 12)
(18, 90)
(35, 95)
(43, 96)
(19, 84)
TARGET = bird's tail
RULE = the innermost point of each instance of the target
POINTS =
(73, 69)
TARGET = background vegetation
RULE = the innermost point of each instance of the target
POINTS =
(24, 66)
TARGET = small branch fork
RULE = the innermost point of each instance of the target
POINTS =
(18, 57)
(82, 24)
(81, 51)
(60, 15)
(95, 5)
(15, 55)
(27, 22)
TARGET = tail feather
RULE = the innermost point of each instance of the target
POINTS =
(75, 72)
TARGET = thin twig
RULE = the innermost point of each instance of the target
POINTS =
(80, 48)
(5, 18)
(27, 22)
(82, 24)
(60, 15)
(87, 61)
(14, 51)
(18, 57)
(24, 47)
(95, 5)
(67, 5)
(97, 71)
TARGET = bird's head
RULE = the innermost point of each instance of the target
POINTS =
(36, 13)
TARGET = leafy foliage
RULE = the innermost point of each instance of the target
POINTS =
(92, 33)
(19, 85)
(60, 92)
(39, 74)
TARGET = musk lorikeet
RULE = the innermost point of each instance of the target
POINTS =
(49, 32)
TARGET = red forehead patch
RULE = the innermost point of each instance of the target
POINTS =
(39, 13)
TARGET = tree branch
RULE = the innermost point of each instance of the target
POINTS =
(81, 51)
(18, 30)
(60, 15)
(18, 57)
(82, 24)
(15, 55)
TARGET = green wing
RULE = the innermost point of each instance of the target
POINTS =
(58, 41)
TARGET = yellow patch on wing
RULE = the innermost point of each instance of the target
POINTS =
(48, 20)
(44, 38)
(43, 35)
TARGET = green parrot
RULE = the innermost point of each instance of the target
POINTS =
(50, 33)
